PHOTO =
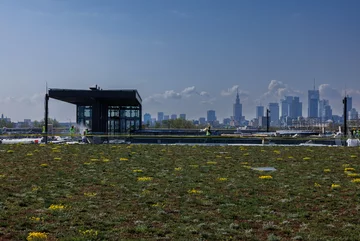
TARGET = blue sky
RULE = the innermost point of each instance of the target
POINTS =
(183, 56)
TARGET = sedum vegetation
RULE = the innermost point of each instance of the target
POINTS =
(156, 192)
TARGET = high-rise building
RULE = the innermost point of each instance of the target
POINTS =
(274, 114)
(211, 117)
(166, 117)
(237, 109)
(147, 119)
(160, 116)
(349, 104)
(324, 107)
(296, 108)
(259, 111)
(202, 120)
(183, 116)
(173, 116)
(327, 113)
(313, 103)
(291, 107)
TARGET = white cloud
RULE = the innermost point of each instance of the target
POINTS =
(277, 90)
(230, 91)
(172, 94)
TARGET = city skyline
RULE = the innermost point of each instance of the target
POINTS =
(185, 55)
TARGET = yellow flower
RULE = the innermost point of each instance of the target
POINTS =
(247, 167)
(327, 170)
(277, 151)
(123, 159)
(157, 205)
(56, 207)
(57, 158)
(334, 186)
(89, 232)
(137, 170)
(106, 160)
(265, 177)
(291, 157)
(222, 179)
(34, 236)
(356, 180)
(2, 175)
(279, 159)
(317, 184)
(90, 194)
(87, 163)
(349, 169)
(94, 159)
(263, 150)
(29, 154)
(306, 158)
(211, 163)
(144, 179)
(44, 165)
(36, 219)
(218, 156)
(246, 154)
(353, 156)
(228, 157)
(244, 163)
(194, 191)
(353, 175)
(10, 151)
(178, 168)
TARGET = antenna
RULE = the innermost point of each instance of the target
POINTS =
(46, 88)
(314, 83)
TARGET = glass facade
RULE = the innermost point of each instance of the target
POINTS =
(120, 119)
(84, 116)
(123, 119)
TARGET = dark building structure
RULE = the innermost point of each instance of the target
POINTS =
(103, 111)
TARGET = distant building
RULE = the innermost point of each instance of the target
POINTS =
(160, 116)
(262, 121)
(313, 103)
(166, 117)
(173, 117)
(274, 114)
(202, 121)
(237, 109)
(183, 116)
(28, 122)
(147, 119)
(353, 114)
(211, 117)
(259, 111)
(226, 121)
(325, 111)
(349, 104)
(291, 107)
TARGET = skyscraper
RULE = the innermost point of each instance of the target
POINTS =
(274, 114)
(147, 119)
(313, 103)
(259, 111)
(291, 107)
(211, 117)
(160, 116)
(183, 116)
(173, 116)
(237, 109)
(349, 104)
